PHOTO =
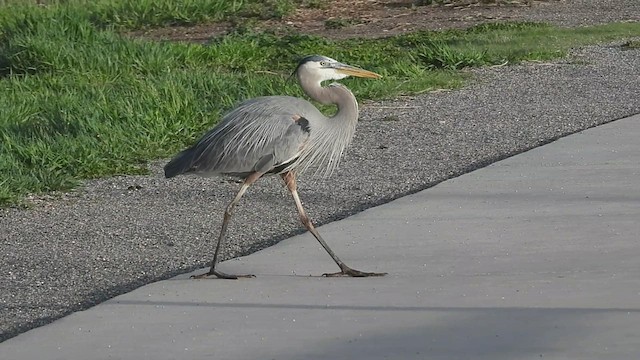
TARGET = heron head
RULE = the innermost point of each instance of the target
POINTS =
(322, 68)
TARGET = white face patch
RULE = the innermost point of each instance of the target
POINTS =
(322, 70)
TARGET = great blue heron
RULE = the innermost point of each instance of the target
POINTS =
(280, 135)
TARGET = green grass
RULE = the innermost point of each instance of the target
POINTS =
(136, 14)
(79, 101)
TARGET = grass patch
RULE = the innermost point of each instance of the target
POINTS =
(79, 101)
(129, 15)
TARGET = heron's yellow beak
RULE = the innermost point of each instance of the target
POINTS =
(356, 71)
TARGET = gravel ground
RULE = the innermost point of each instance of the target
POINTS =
(582, 12)
(119, 233)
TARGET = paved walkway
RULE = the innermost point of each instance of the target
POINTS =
(536, 256)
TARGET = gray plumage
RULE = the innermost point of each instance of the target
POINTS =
(261, 134)
(282, 135)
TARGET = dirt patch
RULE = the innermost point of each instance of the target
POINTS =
(365, 18)
(345, 19)
(353, 18)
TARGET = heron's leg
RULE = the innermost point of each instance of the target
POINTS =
(223, 231)
(290, 179)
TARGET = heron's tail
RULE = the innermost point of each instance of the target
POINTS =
(180, 164)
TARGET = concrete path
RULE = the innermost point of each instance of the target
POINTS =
(536, 256)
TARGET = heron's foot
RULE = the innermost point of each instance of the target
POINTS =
(347, 271)
(220, 275)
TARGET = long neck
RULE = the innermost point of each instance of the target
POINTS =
(335, 94)
(329, 137)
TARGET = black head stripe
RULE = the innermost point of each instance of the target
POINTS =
(307, 59)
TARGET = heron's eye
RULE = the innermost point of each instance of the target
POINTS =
(323, 63)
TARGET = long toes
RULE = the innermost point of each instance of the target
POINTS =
(221, 275)
(367, 274)
(353, 273)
